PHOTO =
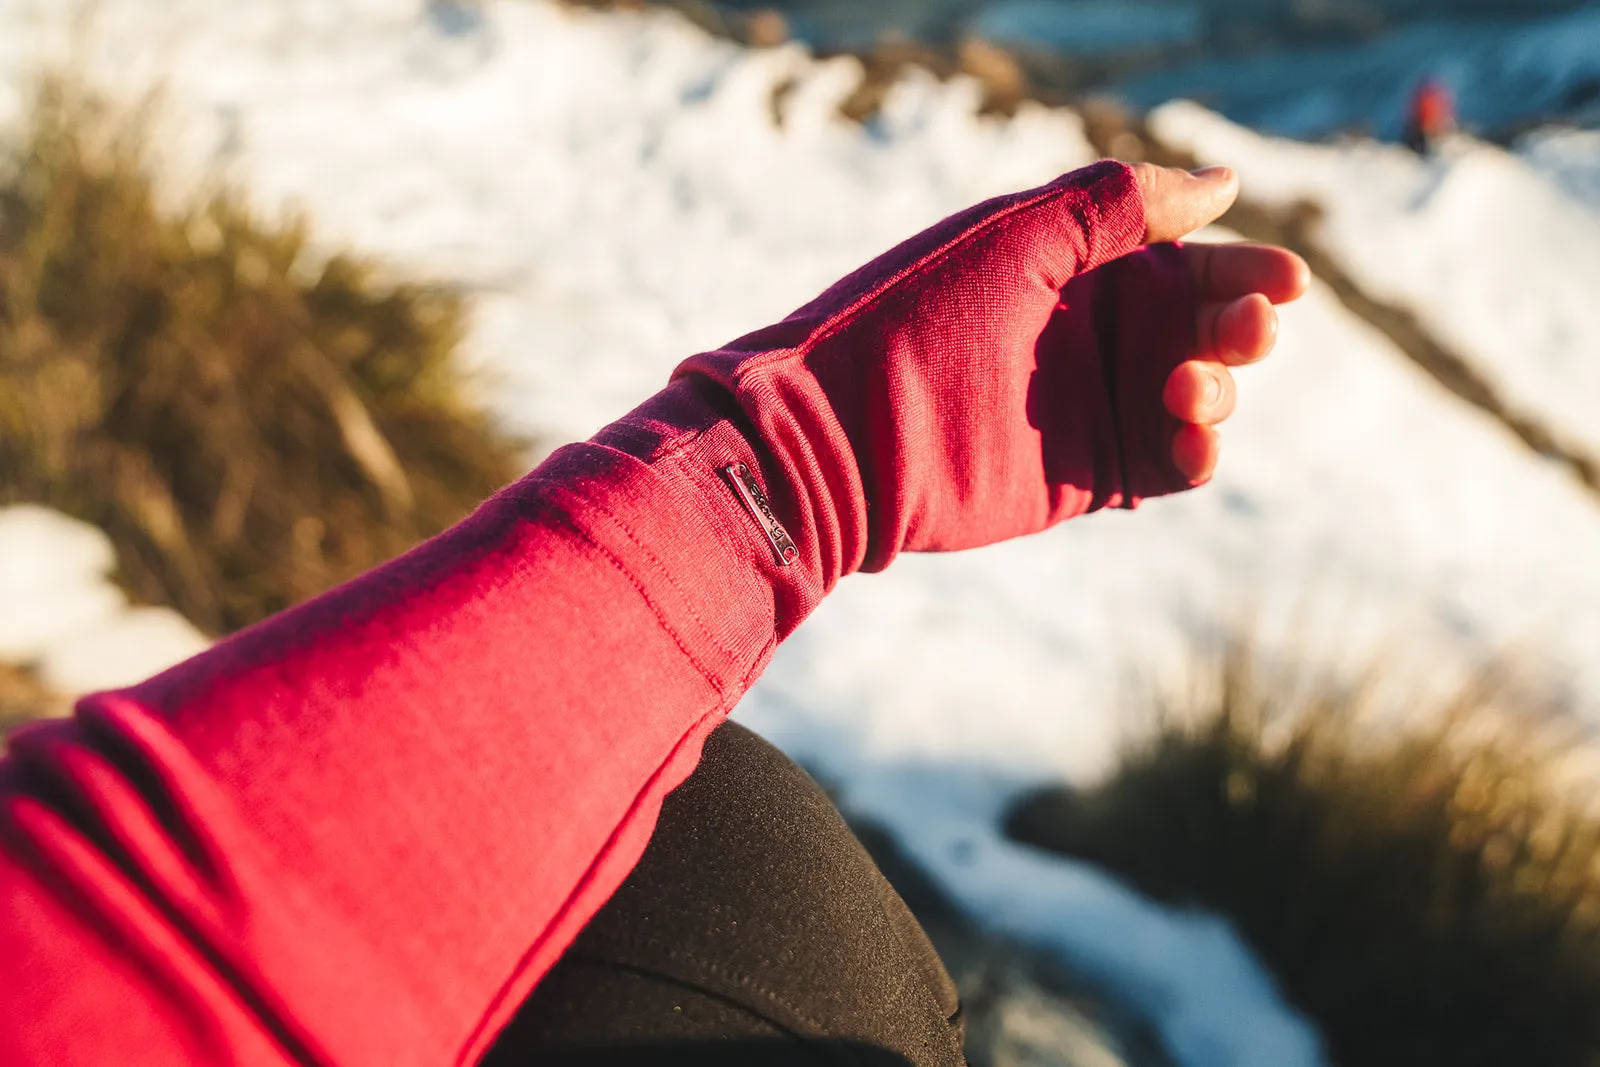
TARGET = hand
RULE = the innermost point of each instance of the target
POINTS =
(1024, 361)
(1236, 287)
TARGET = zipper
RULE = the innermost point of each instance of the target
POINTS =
(760, 508)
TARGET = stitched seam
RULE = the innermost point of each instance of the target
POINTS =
(705, 989)
(677, 444)
(839, 320)
(655, 609)
(707, 633)
(738, 978)
(700, 967)
(943, 252)
(759, 665)
(680, 452)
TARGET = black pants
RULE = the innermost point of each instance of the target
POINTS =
(755, 930)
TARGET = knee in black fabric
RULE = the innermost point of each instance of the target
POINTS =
(754, 924)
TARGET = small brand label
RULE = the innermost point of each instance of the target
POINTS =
(760, 508)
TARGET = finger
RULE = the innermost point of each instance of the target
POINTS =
(1237, 332)
(1223, 272)
(1194, 452)
(1177, 202)
(1200, 392)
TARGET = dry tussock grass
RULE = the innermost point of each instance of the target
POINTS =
(1427, 897)
(23, 698)
(250, 422)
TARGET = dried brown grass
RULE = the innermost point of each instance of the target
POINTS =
(24, 698)
(1428, 897)
(250, 422)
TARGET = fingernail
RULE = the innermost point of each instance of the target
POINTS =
(1213, 174)
(1233, 315)
(1213, 390)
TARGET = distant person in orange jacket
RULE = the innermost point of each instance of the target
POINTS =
(1430, 116)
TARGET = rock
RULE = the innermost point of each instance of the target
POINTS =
(766, 28)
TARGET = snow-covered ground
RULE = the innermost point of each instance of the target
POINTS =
(61, 613)
(614, 193)
(1569, 157)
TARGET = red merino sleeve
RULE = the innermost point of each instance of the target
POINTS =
(361, 831)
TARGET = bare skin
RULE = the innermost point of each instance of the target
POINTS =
(1235, 321)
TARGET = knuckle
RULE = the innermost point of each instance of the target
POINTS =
(1148, 177)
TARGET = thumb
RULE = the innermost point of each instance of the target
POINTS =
(1080, 221)
(1178, 202)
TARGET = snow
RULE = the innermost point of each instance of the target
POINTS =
(616, 192)
(61, 613)
(1185, 971)
(1568, 157)
(1496, 258)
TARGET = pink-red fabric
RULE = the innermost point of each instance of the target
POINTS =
(360, 832)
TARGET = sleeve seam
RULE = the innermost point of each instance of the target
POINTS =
(641, 587)
(839, 320)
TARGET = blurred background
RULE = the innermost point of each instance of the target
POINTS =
(1300, 67)
(1295, 770)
